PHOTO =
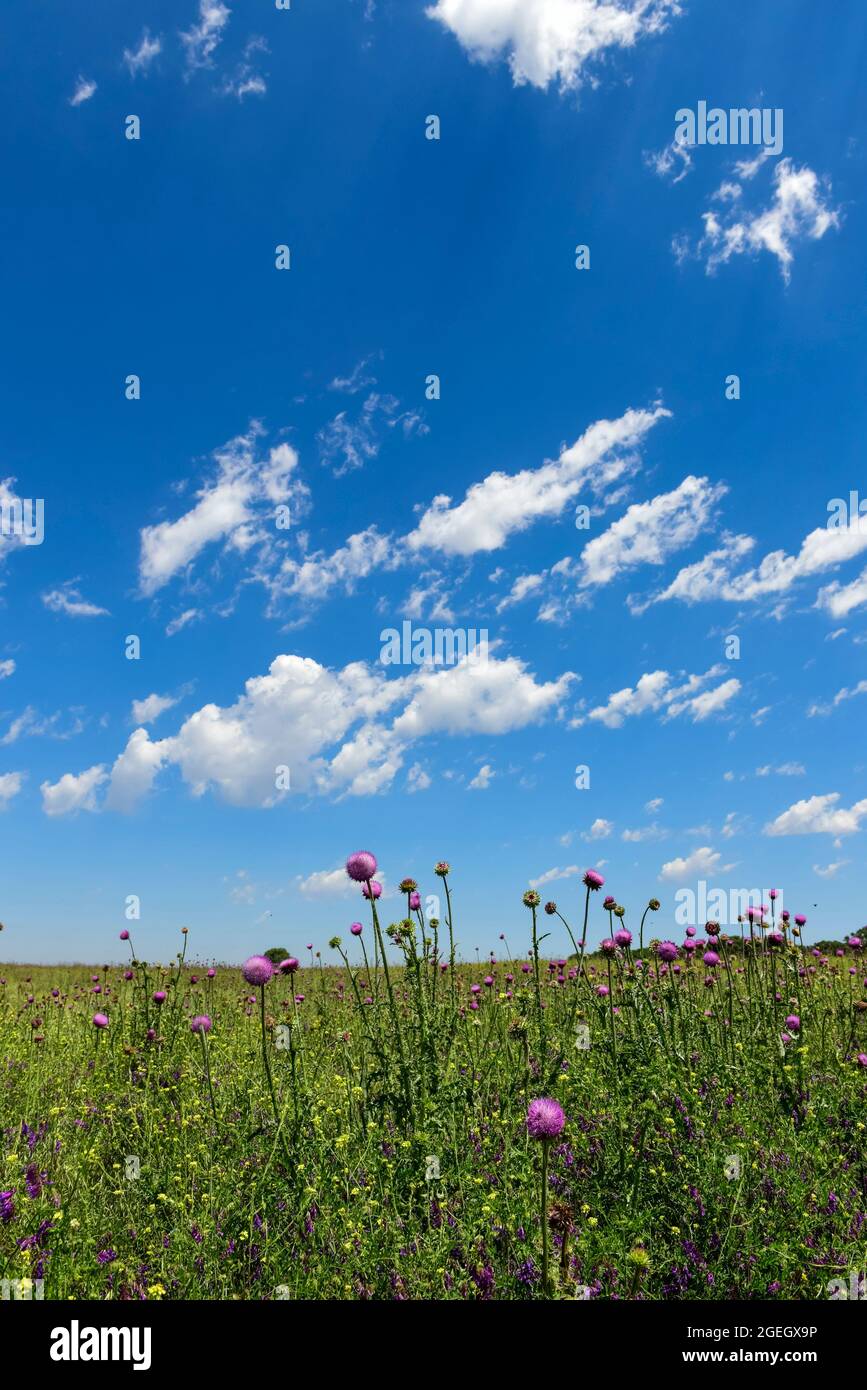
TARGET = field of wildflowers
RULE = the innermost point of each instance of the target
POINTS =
(660, 1119)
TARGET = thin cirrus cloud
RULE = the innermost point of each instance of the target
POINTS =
(550, 40)
(84, 90)
(847, 693)
(138, 60)
(338, 732)
(202, 40)
(69, 601)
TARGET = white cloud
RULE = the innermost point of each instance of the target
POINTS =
(10, 786)
(599, 830)
(790, 769)
(643, 833)
(830, 870)
(417, 780)
(346, 444)
(84, 90)
(702, 863)
(246, 81)
(147, 710)
(819, 815)
(711, 578)
(336, 731)
(358, 380)
(797, 211)
(648, 532)
(73, 793)
(549, 40)
(654, 805)
(525, 584)
(237, 507)
(139, 59)
(674, 158)
(67, 599)
(133, 772)
(842, 599)
(202, 40)
(7, 668)
(552, 875)
(846, 693)
(328, 883)
(189, 615)
(655, 692)
(482, 779)
(507, 503)
(318, 574)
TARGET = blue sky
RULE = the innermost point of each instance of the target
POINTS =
(305, 389)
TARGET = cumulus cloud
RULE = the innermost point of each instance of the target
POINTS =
(599, 830)
(147, 710)
(482, 779)
(236, 507)
(842, 599)
(798, 211)
(702, 863)
(417, 780)
(657, 691)
(819, 815)
(73, 793)
(340, 732)
(552, 875)
(550, 40)
(504, 504)
(711, 578)
(328, 883)
(650, 531)
(7, 669)
(10, 785)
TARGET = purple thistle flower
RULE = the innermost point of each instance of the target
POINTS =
(100, 1020)
(361, 866)
(257, 970)
(200, 1024)
(545, 1118)
(593, 880)
(356, 929)
(667, 951)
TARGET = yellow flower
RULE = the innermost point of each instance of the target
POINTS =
(155, 1291)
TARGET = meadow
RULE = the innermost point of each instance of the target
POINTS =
(655, 1120)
